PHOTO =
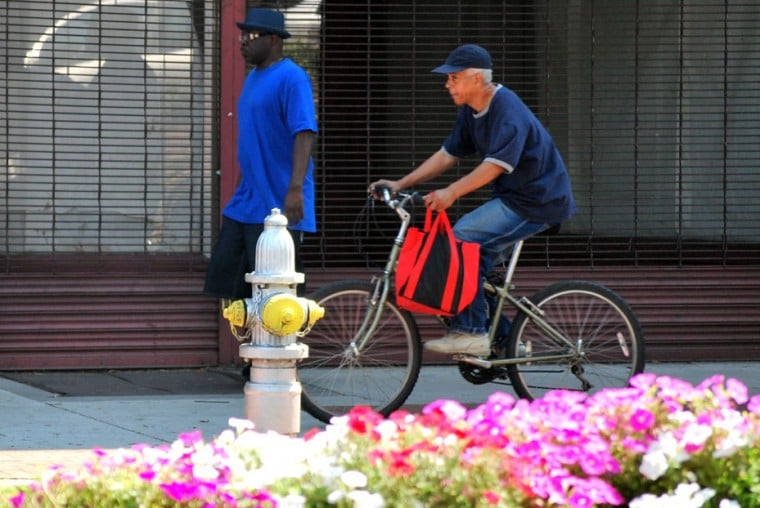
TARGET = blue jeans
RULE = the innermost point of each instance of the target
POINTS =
(496, 227)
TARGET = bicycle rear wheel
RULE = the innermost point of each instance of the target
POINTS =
(336, 376)
(607, 341)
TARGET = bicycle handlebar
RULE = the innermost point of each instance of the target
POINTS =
(384, 194)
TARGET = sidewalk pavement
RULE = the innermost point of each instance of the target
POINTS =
(56, 417)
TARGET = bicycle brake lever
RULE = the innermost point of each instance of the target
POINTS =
(381, 192)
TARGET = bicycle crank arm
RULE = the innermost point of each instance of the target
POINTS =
(536, 359)
(474, 360)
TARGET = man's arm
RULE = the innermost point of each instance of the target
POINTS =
(436, 164)
(483, 174)
(294, 198)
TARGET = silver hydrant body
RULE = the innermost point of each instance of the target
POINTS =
(274, 318)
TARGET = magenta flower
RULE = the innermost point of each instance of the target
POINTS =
(642, 420)
(17, 501)
(565, 449)
(737, 390)
(753, 405)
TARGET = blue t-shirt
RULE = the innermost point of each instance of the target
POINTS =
(535, 183)
(276, 103)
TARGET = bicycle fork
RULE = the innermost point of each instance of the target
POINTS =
(382, 288)
(372, 315)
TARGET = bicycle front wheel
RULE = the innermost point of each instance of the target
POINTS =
(339, 373)
(605, 344)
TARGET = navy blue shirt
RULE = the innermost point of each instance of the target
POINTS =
(535, 183)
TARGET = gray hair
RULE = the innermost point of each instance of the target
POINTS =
(486, 73)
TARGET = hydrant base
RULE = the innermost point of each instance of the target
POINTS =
(291, 352)
(274, 407)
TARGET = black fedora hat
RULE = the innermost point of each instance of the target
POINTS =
(265, 20)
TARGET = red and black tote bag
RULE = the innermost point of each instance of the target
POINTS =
(436, 273)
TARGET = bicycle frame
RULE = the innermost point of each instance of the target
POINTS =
(525, 305)
(383, 285)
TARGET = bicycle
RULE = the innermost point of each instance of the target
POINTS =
(572, 334)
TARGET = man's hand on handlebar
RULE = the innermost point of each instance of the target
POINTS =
(437, 200)
(375, 187)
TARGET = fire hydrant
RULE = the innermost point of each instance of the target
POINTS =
(273, 318)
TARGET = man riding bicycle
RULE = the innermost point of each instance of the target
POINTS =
(530, 184)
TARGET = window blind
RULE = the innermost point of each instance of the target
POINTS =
(651, 103)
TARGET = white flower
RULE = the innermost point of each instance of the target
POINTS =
(387, 429)
(686, 495)
(692, 494)
(660, 455)
(226, 437)
(293, 501)
(335, 497)
(729, 503)
(654, 464)
(729, 445)
(697, 434)
(364, 499)
(354, 479)
(240, 424)
(205, 472)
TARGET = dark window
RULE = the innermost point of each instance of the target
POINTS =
(651, 102)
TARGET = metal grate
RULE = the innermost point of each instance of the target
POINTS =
(108, 128)
(650, 101)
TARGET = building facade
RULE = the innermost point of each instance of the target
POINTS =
(117, 150)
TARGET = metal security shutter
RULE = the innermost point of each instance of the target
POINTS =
(650, 101)
(652, 104)
(107, 152)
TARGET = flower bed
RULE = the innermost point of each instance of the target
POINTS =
(661, 442)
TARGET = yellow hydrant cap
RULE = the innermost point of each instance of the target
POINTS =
(316, 312)
(283, 314)
(235, 313)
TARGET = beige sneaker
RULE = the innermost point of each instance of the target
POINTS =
(458, 342)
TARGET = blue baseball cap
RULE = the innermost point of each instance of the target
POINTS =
(469, 56)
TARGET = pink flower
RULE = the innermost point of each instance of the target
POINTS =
(262, 497)
(642, 420)
(737, 390)
(643, 381)
(147, 476)
(491, 497)
(362, 420)
(450, 410)
(310, 434)
(190, 438)
(18, 500)
(753, 406)
(399, 464)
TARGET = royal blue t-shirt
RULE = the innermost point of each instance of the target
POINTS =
(276, 103)
(535, 183)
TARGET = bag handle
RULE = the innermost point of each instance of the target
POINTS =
(440, 223)
(428, 219)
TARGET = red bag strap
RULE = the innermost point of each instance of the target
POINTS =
(431, 227)
(428, 219)
(443, 223)
(450, 288)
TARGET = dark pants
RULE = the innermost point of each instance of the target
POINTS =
(235, 255)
